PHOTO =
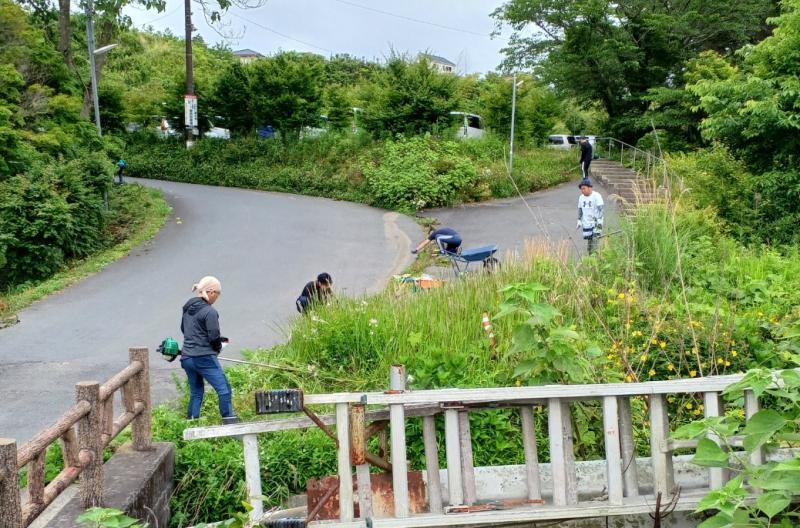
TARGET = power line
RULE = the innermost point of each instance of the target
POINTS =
(284, 35)
(410, 19)
(160, 18)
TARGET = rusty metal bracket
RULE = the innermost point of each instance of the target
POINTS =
(327, 430)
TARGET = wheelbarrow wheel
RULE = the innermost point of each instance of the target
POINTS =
(491, 264)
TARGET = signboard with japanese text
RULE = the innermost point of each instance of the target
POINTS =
(190, 109)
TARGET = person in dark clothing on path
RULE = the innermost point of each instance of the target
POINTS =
(120, 170)
(586, 157)
(447, 237)
(315, 292)
(202, 343)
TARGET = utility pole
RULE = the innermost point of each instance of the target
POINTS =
(190, 99)
(92, 70)
(513, 112)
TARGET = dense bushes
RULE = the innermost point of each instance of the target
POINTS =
(755, 208)
(403, 174)
(420, 172)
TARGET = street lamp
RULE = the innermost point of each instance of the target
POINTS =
(514, 86)
(92, 54)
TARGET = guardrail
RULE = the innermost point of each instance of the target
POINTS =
(93, 414)
(645, 163)
(627, 489)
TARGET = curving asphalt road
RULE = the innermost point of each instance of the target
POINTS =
(263, 246)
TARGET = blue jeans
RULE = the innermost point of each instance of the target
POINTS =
(206, 368)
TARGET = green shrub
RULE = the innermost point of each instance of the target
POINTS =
(419, 172)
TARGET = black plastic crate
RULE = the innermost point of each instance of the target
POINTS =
(279, 401)
(285, 523)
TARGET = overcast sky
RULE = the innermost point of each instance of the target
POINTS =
(455, 29)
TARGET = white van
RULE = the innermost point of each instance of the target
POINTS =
(559, 141)
(565, 141)
(469, 125)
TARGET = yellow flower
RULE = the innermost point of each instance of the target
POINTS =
(652, 372)
(670, 367)
(643, 357)
(692, 373)
(720, 361)
(621, 295)
(662, 344)
(689, 405)
(733, 353)
(696, 412)
(519, 382)
(654, 341)
(610, 356)
(611, 291)
(727, 363)
(733, 342)
(629, 378)
(701, 407)
(614, 346)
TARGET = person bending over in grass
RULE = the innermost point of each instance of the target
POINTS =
(447, 237)
(315, 292)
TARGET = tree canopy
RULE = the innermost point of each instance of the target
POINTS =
(614, 52)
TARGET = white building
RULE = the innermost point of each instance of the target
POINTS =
(246, 56)
(441, 64)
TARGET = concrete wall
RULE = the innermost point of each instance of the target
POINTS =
(136, 482)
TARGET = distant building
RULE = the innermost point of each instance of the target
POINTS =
(440, 63)
(246, 56)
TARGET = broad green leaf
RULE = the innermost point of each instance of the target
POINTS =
(506, 309)
(690, 430)
(756, 380)
(524, 339)
(761, 427)
(542, 314)
(709, 454)
(719, 520)
(773, 503)
(791, 378)
(523, 369)
(564, 333)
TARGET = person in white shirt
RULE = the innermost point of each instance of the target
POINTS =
(590, 214)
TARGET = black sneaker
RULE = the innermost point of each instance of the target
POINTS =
(230, 420)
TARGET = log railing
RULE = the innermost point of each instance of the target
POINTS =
(554, 492)
(93, 417)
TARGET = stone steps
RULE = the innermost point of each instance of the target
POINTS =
(625, 183)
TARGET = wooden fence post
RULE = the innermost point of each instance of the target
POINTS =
(630, 473)
(142, 436)
(10, 507)
(432, 464)
(397, 422)
(531, 454)
(90, 441)
(344, 467)
(358, 455)
(660, 452)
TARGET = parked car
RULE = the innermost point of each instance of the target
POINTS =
(566, 142)
(320, 128)
(216, 132)
(469, 125)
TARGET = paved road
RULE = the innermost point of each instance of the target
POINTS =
(263, 246)
(510, 224)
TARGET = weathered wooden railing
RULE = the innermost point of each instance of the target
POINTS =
(627, 489)
(93, 413)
